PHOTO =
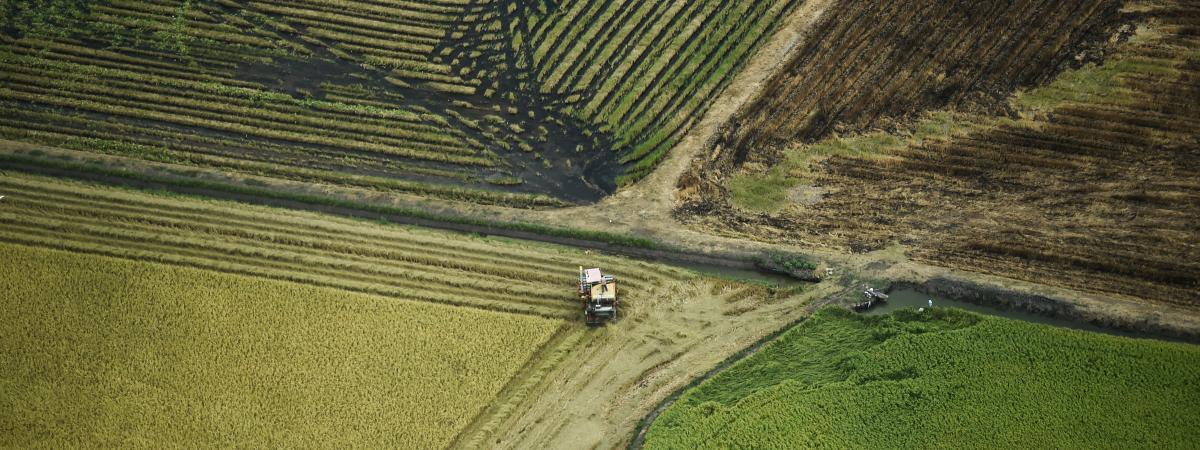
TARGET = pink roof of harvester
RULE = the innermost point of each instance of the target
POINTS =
(592, 276)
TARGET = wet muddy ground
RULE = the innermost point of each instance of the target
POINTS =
(908, 297)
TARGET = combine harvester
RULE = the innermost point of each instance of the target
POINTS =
(598, 293)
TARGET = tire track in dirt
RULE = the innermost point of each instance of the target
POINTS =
(642, 354)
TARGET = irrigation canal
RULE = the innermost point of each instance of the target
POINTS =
(910, 298)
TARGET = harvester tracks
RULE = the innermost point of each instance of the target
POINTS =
(401, 263)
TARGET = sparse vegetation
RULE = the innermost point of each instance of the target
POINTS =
(767, 192)
(760, 192)
(41, 17)
(1079, 182)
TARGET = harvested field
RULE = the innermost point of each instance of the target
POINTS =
(526, 104)
(880, 61)
(323, 274)
(403, 263)
(1088, 184)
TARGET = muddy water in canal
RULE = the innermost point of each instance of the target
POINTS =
(909, 298)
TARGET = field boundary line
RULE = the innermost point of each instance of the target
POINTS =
(639, 433)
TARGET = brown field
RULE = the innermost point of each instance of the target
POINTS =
(879, 60)
(1087, 183)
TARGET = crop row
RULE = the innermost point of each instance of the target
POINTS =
(981, 52)
(263, 122)
(196, 104)
(400, 38)
(645, 70)
(261, 163)
(269, 109)
(129, 145)
(239, 125)
(239, 154)
(227, 109)
(83, 56)
(287, 364)
(411, 264)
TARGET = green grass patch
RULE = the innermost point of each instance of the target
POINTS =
(1099, 83)
(768, 192)
(936, 126)
(1089, 84)
(787, 261)
(765, 193)
(105, 352)
(942, 379)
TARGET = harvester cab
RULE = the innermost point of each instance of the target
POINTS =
(598, 293)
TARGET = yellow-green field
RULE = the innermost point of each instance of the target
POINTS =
(131, 318)
(101, 351)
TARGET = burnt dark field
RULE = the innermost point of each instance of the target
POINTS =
(1087, 182)
(877, 62)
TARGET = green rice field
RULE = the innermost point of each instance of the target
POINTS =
(942, 379)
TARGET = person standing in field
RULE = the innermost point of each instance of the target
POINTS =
(931, 303)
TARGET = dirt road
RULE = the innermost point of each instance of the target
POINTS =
(609, 379)
(596, 384)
